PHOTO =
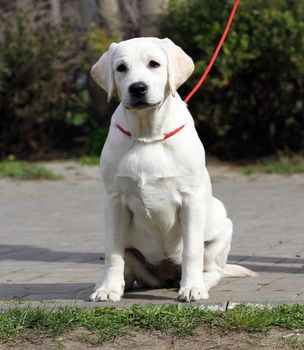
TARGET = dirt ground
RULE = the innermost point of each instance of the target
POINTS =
(203, 339)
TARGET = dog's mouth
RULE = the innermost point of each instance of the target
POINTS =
(141, 105)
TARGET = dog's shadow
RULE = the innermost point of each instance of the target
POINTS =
(75, 292)
(149, 294)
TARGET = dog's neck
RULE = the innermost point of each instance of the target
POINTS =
(151, 124)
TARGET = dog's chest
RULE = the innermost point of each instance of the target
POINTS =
(151, 182)
(153, 199)
(151, 178)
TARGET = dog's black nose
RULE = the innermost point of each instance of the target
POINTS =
(138, 89)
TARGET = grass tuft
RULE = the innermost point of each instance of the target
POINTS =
(26, 171)
(249, 170)
(107, 323)
(256, 319)
(89, 160)
(282, 166)
(45, 322)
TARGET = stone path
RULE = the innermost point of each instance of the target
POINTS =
(51, 246)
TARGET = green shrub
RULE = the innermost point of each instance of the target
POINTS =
(252, 101)
(95, 141)
(98, 42)
(41, 106)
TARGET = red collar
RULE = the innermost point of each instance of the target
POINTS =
(166, 136)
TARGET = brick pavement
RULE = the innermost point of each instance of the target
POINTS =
(51, 244)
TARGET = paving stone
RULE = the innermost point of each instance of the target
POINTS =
(51, 246)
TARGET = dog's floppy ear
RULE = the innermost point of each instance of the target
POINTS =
(102, 71)
(180, 65)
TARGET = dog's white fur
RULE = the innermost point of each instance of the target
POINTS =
(157, 193)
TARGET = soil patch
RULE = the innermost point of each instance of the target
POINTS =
(203, 339)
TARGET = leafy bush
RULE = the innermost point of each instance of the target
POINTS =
(40, 103)
(252, 101)
(96, 140)
(98, 42)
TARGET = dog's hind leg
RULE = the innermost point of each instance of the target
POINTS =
(215, 257)
(217, 250)
(135, 270)
(218, 246)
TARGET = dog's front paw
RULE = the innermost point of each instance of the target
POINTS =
(192, 294)
(102, 294)
(108, 291)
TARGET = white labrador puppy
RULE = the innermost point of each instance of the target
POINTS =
(163, 226)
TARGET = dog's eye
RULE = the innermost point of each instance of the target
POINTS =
(153, 64)
(122, 68)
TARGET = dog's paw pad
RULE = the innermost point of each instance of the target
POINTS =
(105, 295)
(192, 294)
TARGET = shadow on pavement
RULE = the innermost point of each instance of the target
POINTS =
(66, 291)
(269, 264)
(32, 253)
(45, 291)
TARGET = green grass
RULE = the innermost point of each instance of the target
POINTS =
(249, 170)
(89, 160)
(26, 171)
(282, 166)
(107, 323)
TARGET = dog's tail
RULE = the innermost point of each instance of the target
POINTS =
(237, 271)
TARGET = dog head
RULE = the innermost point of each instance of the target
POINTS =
(143, 71)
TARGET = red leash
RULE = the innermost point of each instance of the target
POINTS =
(200, 82)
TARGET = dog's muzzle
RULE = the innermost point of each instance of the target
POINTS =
(138, 92)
